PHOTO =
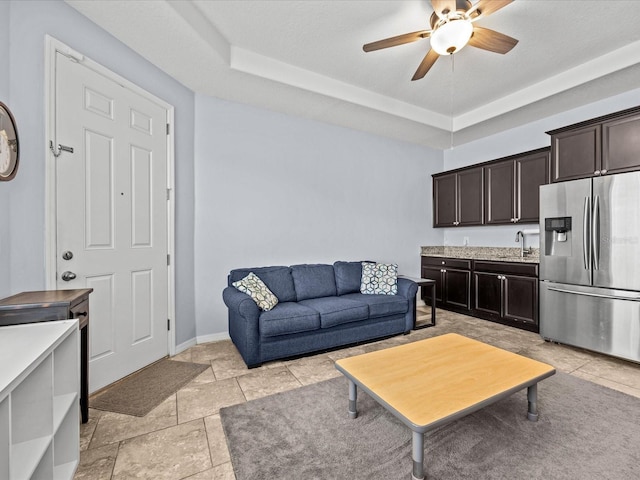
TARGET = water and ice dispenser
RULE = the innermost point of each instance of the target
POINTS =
(557, 236)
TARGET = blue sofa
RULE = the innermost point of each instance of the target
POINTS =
(320, 307)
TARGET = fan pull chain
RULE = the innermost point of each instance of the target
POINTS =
(451, 98)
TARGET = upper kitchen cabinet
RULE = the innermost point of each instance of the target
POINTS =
(457, 198)
(511, 187)
(601, 146)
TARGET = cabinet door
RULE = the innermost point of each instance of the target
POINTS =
(432, 273)
(531, 172)
(470, 197)
(575, 153)
(499, 193)
(621, 145)
(444, 201)
(521, 299)
(487, 295)
(457, 288)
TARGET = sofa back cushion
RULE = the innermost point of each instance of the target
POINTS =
(348, 277)
(313, 281)
(277, 279)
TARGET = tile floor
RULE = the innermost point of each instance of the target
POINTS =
(183, 438)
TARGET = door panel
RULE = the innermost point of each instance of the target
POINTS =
(532, 171)
(470, 197)
(444, 201)
(457, 288)
(487, 293)
(618, 222)
(111, 211)
(520, 294)
(565, 261)
(499, 193)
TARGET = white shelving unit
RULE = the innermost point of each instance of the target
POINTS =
(39, 401)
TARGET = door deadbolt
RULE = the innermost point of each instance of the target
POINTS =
(67, 276)
(67, 255)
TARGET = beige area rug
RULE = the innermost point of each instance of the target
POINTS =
(141, 392)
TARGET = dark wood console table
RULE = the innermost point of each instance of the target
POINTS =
(45, 306)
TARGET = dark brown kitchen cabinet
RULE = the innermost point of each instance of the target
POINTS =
(600, 146)
(457, 198)
(507, 293)
(511, 187)
(532, 171)
(453, 282)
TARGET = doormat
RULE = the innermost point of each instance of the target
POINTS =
(142, 391)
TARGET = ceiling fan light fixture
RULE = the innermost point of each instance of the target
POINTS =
(451, 36)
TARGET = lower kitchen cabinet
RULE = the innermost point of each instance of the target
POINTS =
(503, 292)
(453, 282)
(507, 293)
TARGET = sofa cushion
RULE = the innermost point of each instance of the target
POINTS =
(288, 317)
(257, 290)
(381, 305)
(379, 278)
(348, 277)
(337, 310)
(277, 279)
(313, 281)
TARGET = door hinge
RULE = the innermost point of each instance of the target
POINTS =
(168, 259)
(168, 129)
(168, 324)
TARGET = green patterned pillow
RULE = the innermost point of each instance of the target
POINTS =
(379, 279)
(257, 290)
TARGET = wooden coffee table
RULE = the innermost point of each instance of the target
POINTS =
(431, 382)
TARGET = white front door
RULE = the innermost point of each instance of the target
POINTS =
(111, 210)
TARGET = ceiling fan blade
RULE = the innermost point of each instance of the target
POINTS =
(427, 62)
(491, 40)
(398, 40)
(487, 7)
(443, 5)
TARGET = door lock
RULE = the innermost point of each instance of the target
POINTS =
(68, 276)
(67, 255)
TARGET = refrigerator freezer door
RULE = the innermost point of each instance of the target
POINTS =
(566, 260)
(617, 221)
(598, 319)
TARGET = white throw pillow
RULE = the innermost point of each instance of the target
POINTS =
(257, 290)
(379, 278)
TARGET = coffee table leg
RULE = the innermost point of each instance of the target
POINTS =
(353, 397)
(418, 456)
(532, 397)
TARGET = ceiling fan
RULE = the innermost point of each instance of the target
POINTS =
(451, 29)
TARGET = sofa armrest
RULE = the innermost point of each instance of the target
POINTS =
(244, 326)
(240, 303)
(407, 288)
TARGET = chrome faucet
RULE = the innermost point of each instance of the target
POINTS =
(520, 234)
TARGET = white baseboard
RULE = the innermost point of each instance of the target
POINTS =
(185, 345)
(214, 337)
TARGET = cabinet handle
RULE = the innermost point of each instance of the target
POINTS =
(603, 172)
(597, 172)
(80, 314)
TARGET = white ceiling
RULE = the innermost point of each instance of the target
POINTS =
(305, 58)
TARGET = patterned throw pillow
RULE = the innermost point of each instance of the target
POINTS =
(257, 290)
(379, 279)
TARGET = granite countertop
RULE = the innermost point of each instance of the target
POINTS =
(499, 254)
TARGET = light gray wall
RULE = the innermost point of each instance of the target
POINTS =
(273, 189)
(5, 254)
(28, 24)
(516, 140)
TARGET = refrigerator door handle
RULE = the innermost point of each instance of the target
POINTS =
(585, 234)
(630, 297)
(595, 232)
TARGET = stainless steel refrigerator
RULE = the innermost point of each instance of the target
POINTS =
(590, 264)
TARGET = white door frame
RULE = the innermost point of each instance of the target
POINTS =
(52, 47)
